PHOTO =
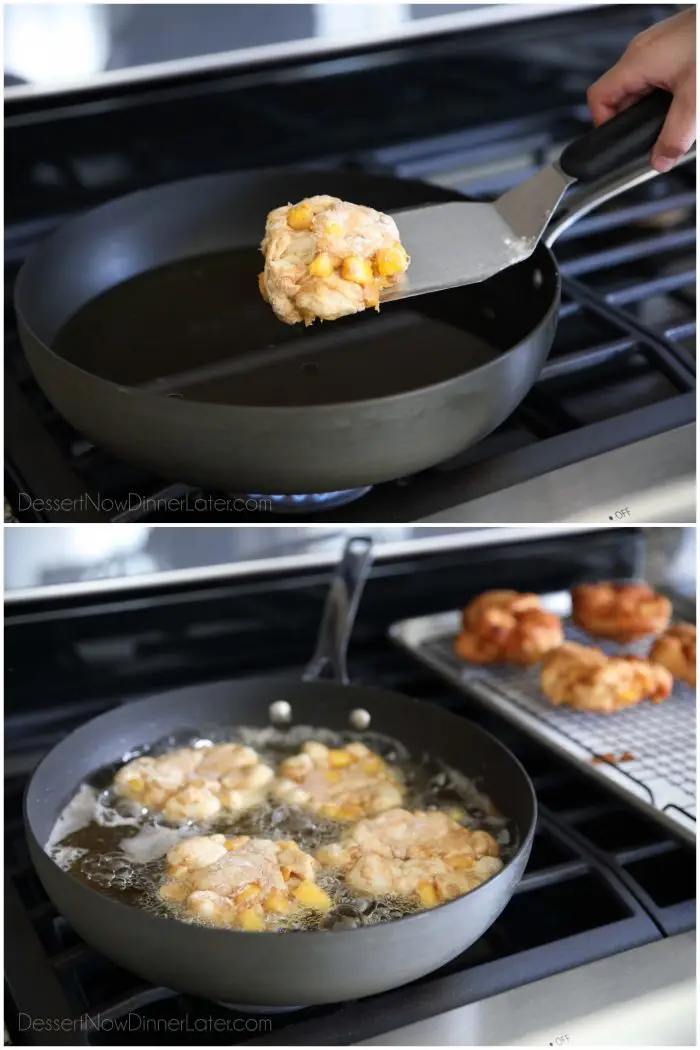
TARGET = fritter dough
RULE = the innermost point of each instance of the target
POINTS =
(326, 258)
(587, 679)
(423, 856)
(675, 650)
(623, 612)
(196, 783)
(339, 783)
(241, 882)
(506, 626)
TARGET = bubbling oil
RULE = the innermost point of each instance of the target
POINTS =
(118, 849)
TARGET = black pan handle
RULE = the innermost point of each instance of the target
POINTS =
(627, 137)
(347, 585)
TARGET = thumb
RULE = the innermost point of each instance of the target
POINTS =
(678, 132)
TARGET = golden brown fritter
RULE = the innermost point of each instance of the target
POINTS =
(623, 612)
(506, 626)
(338, 783)
(326, 258)
(585, 678)
(424, 856)
(242, 883)
(675, 650)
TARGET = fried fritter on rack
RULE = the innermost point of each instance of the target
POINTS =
(506, 626)
(623, 612)
(585, 678)
(675, 650)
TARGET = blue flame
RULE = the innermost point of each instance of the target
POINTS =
(299, 500)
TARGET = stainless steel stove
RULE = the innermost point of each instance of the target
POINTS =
(596, 948)
(608, 432)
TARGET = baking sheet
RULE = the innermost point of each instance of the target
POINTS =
(660, 778)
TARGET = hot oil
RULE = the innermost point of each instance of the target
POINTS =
(106, 844)
(198, 329)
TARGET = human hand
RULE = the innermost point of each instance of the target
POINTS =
(660, 57)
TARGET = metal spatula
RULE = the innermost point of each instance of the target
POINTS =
(465, 243)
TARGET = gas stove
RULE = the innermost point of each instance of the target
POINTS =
(597, 946)
(608, 432)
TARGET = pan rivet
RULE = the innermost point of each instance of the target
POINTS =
(360, 719)
(280, 712)
(537, 279)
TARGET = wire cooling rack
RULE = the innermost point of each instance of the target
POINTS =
(646, 753)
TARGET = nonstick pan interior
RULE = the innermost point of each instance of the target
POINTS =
(158, 291)
(293, 968)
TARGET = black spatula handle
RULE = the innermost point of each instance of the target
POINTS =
(627, 137)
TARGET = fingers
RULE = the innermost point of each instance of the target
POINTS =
(678, 132)
(617, 89)
(624, 84)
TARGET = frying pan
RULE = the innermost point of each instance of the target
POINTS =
(187, 372)
(296, 968)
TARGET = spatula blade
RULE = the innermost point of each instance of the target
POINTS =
(462, 243)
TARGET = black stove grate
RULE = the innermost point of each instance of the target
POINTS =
(398, 102)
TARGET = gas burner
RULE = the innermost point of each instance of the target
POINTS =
(309, 501)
